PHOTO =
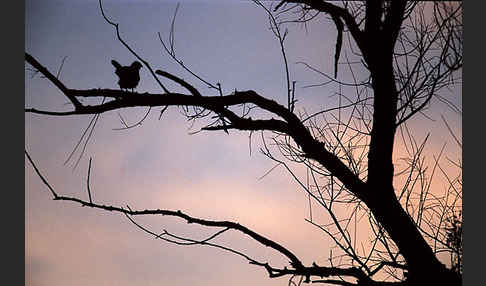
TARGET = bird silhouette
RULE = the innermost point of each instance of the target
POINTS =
(128, 76)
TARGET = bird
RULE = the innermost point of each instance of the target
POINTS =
(128, 76)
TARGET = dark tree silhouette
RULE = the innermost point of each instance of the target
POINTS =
(454, 241)
(409, 56)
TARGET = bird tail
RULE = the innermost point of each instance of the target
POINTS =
(116, 64)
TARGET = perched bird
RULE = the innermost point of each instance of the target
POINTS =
(128, 76)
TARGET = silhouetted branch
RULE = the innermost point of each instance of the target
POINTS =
(335, 282)
(339, 42)
(91, 127)
(138, 123)
(60, 67)
(53, 79)
(290, 125)
(298, 267)
(275, 27)
(365, 83)
(40, 175)
(180, 81)
(178, 240)
(450, 131)
(93, 119)
(87, 182)
(130, 49)
(171, 52)
(338, 13)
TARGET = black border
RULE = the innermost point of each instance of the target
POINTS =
(473, 141)
(13, 119)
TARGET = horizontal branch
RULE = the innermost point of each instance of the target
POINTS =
(298, 267)
(318, 271)
(289, 123)
(294, 261)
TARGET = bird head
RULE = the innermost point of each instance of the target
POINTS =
(137, 65)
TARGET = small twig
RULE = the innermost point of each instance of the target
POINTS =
(60, 68)
(162, 111)
(136, 124)
(269, 171)
(122, 120)
(96, 118)
(87, 181)
(130, 49)
(450, 131)
(80, 140)
(275, 27)
(293, 101)
(172, 25)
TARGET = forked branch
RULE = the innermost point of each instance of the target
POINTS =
(297, 267)
(288, 123)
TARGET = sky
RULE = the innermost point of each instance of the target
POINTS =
(160, 164)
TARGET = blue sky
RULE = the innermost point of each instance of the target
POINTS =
(159, 165)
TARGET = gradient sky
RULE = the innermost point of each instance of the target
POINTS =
(159, 165)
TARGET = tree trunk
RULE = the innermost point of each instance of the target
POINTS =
(424, 267)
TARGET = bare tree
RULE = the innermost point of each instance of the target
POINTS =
(406, 53)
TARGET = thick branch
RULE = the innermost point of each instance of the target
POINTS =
(316, 270)
(180, 81)
(337, 12)
(52, 78)
(290, 125)
(294, 261)
(299, 268)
